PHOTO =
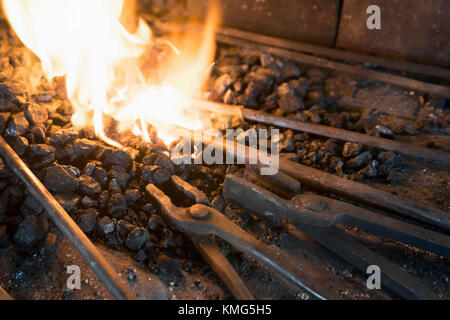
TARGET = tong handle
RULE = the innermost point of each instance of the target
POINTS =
(222, 267)
(302, 273)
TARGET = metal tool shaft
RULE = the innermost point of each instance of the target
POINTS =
(409, 150)
(222, 267)
(4, 295)
(65, 223)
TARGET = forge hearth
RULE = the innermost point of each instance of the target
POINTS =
(355, 133)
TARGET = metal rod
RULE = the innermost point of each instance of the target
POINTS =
(362, 193)
(441, 91)
(336, 53)
(4, 295)
(306, 48)
(66, 224)
(435, 156)
(333, 184)
(222, 267)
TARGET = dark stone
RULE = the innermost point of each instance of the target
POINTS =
(117, 205)
(69, 201)
(4, 118)
(382, 131)
(49, 246)
(123, 229)
(89, 186)
(221, 85)
(156, 223)
(290, 103)
(352, 149)
(361, 160)
(17, 125)
(140, 256)
(137, 238)
(30, 232)
(170, 267)
(35, 113)
(90, 167)
(3, 237)
(284, 89)
(4, 170)
(155, 175)
(103, 199)
(251, 96)
(131, 275)
(171, 240)
(164, 162)
(80, 148)
(41, 150)
(372, 170)
(105, 226)
(390, 161)
(133, 196)
(332, 147)
(120, 174)
(86, 219)
(100, 175)
(72, 170)
(87, 202)
(31, 206)
(38, 131)
(112, 241)
(148, 208)
(59, 179)
(18, 144)
(230, 97)
(8, 101)
(290, 70)
(119, 158)
(114, 186)
(63, 136)
(60, 119)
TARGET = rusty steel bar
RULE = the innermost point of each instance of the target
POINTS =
(336, 53)
(65, 223)
(333, 184)
(362, 193)
(435, 156)
(305, 48)
(4, 296)
(439, 90)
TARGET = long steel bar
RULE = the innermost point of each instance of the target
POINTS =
(65, 223)
(337, 54)
(439, 90)
(333, 184)
(362, 193)
(4, 295)
(438, 157)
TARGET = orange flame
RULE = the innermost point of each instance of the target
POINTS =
(84, 41)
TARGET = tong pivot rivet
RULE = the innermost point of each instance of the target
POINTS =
(199, 212)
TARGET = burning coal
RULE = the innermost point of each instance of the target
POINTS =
(107, 69)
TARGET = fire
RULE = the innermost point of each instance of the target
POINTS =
(107, 68)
